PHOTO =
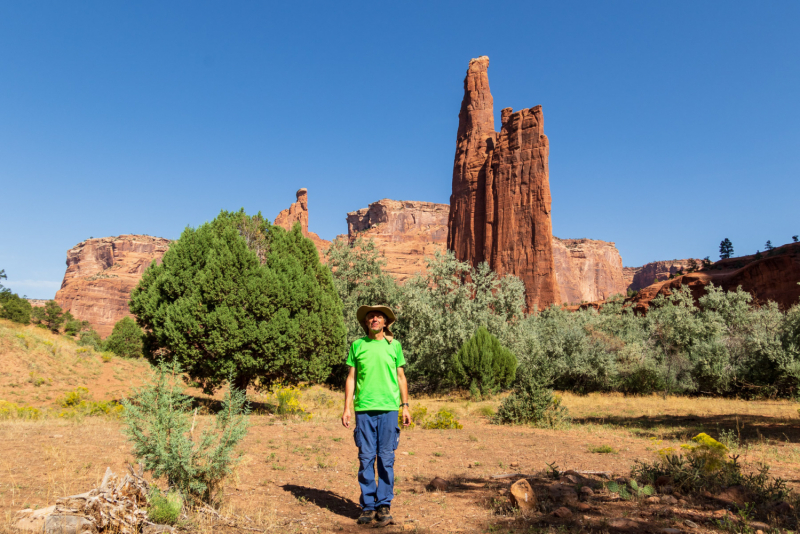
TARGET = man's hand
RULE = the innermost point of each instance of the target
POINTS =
(346, 418)
(406, 416)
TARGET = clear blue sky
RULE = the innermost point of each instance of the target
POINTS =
(672, 124)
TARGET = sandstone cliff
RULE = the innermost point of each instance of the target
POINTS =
(101, 273)
(405, 232)
(638, 277)
(587, 270)
(500, 204)
(298, 212)
(771, 277)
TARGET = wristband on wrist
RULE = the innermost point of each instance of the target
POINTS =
(404, 404)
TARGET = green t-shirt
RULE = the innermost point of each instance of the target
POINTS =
(376, 363)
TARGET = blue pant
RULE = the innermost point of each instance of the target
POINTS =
(376, 435)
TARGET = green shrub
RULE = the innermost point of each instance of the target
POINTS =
(90, 338)
(241, 296)
(419, 414)
(14, 308)
(164, 509)
(531, 402)
(485, 411)
(159, 423)
(76, 405)
(442, 420)
(483, 364)
(126, 339)
(12, 410)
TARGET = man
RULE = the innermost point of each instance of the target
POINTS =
(378, 381)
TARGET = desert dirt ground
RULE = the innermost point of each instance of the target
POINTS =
(300, 476)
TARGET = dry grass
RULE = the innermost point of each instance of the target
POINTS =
(38, 367)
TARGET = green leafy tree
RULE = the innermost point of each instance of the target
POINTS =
(3, 276)
(15, 308)
(532, 402)
(359, 280)
(725, 249)
(238, 297)
(126, 339)
(483, 364)
(52, 316)
(442, 309)
(159, 423)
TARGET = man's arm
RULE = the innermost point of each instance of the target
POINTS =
(403, 383)
(349, 389)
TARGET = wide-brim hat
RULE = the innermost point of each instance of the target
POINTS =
(362, 312)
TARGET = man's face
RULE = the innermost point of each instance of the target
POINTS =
(375, 321)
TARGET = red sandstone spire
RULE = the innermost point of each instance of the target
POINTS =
(500, 205)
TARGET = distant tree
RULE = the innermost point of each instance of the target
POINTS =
(14, 308)
(53, 316)
(72, 326)
(725, 249)
(768, 247)
(795, 238)
(240, 298)
(37, 315)
(126, 339)
(758, 255)
(692, 265)
(4, 277)
(706, 262)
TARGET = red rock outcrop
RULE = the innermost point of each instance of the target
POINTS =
(101, 273)
(404, 231)
(774, 276)
(587, 270)
(500, 205)
(407, 232)
(638, 277)
(298, 212)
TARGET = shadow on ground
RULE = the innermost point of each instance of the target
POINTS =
(748, 428)
(325, 499)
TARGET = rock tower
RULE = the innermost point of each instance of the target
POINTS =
(500, 205)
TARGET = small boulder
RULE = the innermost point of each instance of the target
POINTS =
(690, 524)
(32, 520)
(68, 524)
(669, 531)
(623, 524)
(782, 508)
(437, 484)
(521, 495)
(653, 500)
(583, 507)
(669, 499)
(586, 492)
(734, 495)
(562, 512)
(514, 464)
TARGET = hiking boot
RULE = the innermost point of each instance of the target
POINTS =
(384, 516)
(366, 517)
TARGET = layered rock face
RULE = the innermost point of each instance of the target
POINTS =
(407, 232)
(101, 273)
(404, 231)
(500, 205)
(772, 277)
(638, 277)
(298, 212)
(587, 270)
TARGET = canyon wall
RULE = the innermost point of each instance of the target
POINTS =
(638, 277)
(404, 231)
(101, 273)
(500, 204)
(407, 232)
(774, 276)
(587, 270)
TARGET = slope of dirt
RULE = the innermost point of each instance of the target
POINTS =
(38, 367)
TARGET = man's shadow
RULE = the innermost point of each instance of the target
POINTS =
(325, 499)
